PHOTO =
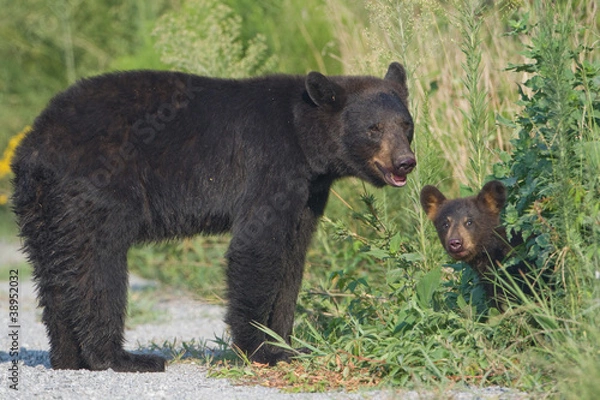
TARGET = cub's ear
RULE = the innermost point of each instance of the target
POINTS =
(323, 91)
(431, 200)
(492, 197)
(396, 73)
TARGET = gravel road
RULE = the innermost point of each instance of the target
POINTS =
(185, 320)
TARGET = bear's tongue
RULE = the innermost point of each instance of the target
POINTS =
(395, 180)
(390, 177)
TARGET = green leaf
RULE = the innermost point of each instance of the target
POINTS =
(411, 257)
(466, 191)
(395, 242)
(505, 121)
(379, 253)
(461, 302)
(427, 286)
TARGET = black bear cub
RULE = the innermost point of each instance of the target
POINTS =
(470, 231)
(145, 156)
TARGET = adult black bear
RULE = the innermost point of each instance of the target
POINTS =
(144, 156)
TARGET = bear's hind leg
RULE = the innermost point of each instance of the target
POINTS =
(100, 318)
(77, 239)
(64, 348)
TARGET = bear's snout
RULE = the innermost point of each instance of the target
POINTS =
(455, 245)
(405, 165)
(396, 171)
(458, 249)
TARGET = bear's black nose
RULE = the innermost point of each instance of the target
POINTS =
(405, 165)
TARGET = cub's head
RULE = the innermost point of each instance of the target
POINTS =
(465, 225)
(376, 128)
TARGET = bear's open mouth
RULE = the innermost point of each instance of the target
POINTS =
(390, 177)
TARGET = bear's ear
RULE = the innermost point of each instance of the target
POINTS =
(324, 92)
(396, 73)
(492, 197)
(431, 200)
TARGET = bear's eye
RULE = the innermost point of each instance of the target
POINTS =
(445, 224)
(469, 222)
(375, 131)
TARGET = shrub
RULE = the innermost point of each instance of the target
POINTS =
(204, 37)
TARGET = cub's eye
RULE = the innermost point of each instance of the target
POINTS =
(469, 222)
(446, 225)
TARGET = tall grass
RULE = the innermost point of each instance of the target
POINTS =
(476, 116)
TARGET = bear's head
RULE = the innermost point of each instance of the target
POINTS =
(372, 121)
(465, 226)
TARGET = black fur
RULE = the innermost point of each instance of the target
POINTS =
(145, 156)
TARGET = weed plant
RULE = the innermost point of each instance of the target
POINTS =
(554, 176)
(204, 37)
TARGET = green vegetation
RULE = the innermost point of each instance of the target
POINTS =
(142, 307)
(505, 89)
(194, 264)
(216, 49)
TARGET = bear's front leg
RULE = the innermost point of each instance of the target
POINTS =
(266, 260)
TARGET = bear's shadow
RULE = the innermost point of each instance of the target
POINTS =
(33, 358)
(29, 358)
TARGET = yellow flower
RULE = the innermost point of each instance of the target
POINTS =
(4, 167)
(10, 151)
(3, 199)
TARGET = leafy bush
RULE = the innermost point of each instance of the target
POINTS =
(554, 180)
(204, 37)
(552, 171)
